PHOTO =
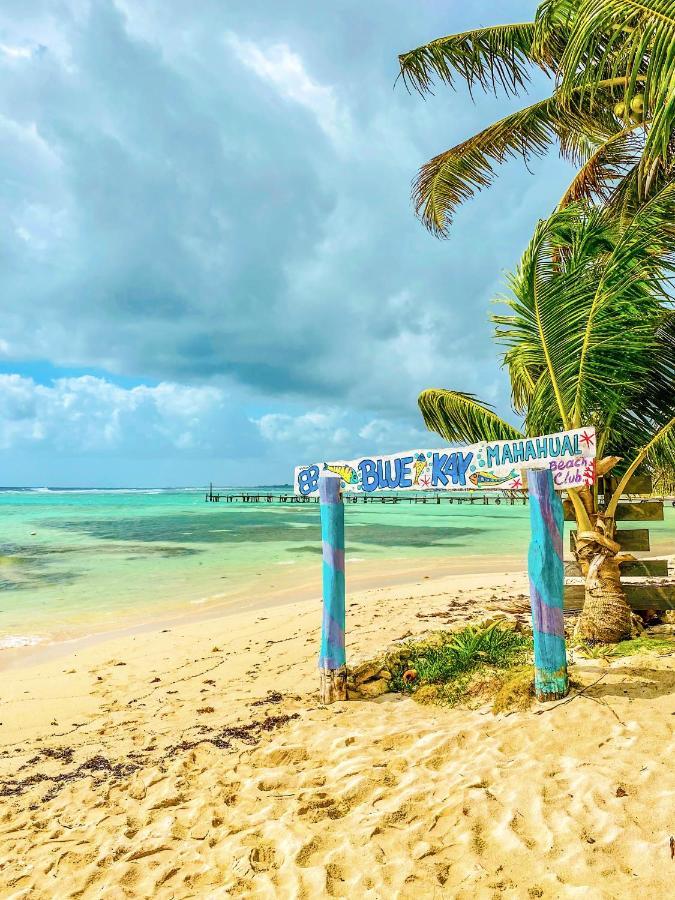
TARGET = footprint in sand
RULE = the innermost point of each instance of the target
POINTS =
(305, 856)
(265, 857)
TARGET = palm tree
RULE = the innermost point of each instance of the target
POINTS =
(612, 110)
(590, 340)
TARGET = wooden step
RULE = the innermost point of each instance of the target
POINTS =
(638, 484)
(640, 595)
(627, 538)
(639, 569)
(640, 511)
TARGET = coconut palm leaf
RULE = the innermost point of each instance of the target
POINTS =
(610, 163)
(653, 401)
(659, 452)
(524, 372)
(631, 41)
(628, 292)
(452, 177)
(461, 417)
(589, 313)
(605, 55)
(626, 196)
(493, 58)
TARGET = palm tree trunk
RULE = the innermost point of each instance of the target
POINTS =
(606, 616)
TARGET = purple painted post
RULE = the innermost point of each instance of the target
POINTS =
(332, 659)
(546, 573)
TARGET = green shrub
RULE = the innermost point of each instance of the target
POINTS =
(460, 654)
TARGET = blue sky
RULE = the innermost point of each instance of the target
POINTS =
(210, 265)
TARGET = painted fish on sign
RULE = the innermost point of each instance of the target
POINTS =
(488, 465)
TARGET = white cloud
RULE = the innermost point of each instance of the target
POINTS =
(92, 415)
(285, 71)
(16, 52)
(312, 429)
(388, 436)
(339, 434)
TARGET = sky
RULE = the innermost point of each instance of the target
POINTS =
(210, 265)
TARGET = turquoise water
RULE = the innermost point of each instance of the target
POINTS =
(79, 562)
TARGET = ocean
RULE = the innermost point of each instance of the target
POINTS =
(74, 563)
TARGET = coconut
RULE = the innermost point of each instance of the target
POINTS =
(637, 104)
(620, 109)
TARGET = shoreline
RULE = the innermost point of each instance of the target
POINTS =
(301, 584)
(298, 583)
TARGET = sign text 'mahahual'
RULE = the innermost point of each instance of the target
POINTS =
(497, 464)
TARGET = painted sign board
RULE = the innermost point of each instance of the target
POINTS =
(570, 455)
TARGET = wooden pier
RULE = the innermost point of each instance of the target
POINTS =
(217, 495)
(223, 495)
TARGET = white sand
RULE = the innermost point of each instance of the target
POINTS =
(375, 799)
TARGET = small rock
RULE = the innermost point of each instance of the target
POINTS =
(374, 688)
(137, 790)
(367, 670)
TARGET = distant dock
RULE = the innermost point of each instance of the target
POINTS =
(217, 495)
(496, 497)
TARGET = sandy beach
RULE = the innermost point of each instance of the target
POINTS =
(195, 761)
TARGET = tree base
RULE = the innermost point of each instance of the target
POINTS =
(606, 615)
(333, 685)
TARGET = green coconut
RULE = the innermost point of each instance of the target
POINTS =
(620, 109)
(637, 104)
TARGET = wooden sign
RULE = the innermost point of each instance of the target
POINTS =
(569, 455)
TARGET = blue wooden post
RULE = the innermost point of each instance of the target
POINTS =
(332, 659)
(546, 573)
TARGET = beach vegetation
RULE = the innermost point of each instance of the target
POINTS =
(464, 666)
(590, 327)
(663, 646)
(590, 340)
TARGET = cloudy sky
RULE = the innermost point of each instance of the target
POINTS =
(210, 265)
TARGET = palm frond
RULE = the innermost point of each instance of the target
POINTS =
(632, 42)
(452, 177)
(552, 26)
(589, 312)
(659, 452)
(610, 163)
(489, 57)
(524, 372)
(457, 416)
(631, 279)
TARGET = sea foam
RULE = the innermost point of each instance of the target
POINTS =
(10, 641)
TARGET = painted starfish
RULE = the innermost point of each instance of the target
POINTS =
(587, 439)
(426, 481)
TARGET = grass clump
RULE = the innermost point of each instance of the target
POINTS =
(467, 665)
(516, 690)
(664, 646)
